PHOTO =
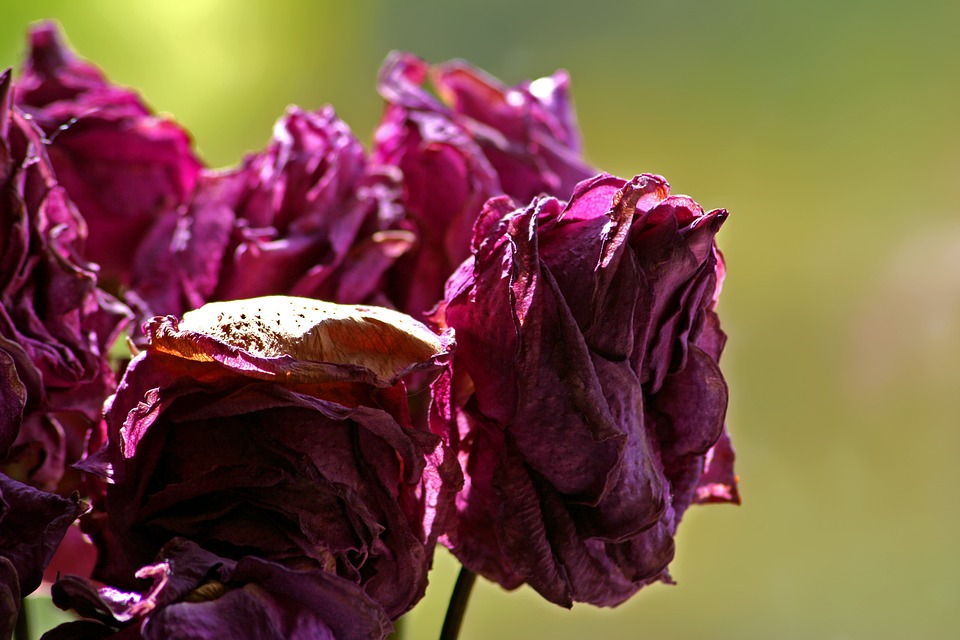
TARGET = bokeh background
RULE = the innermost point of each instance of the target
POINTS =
(829, 129)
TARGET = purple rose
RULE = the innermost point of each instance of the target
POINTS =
(446, 180)
(489, 140)
(55, 324)
(584, 397)
(306, 215)
(528, 132)
(197, 594)
(32, 524)
(122, 165)
(278, 427)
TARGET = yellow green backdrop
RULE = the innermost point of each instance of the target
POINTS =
(829, 129)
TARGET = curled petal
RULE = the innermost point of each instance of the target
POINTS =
(32, 524)
(300, 340)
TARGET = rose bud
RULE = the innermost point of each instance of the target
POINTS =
(278, 427)
(56, 326)
(122, 165)
(584, 398)
(32, 524)
(306, 215)
(193, 593)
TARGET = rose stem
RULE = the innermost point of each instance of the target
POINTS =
(22, 630)
(458, 604)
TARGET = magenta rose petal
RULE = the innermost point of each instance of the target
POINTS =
(32, 524)
(13, 398)
(445, 177)
(719, 482)
(197, 594)
(120, 164)
(56, 325)
(180, 259)
(308, 214)
(515, 377)
(528, 132)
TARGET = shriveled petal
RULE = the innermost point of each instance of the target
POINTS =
(300, 340)
(446, 179)
(196, 594)
(32, 524)
(673, 245)
(693, 403)
(528, 132)
(719, 482)
(10, 599)
(13, 398)
(56, 325)
(120, 164)
(178, 264)
(540, 393)
(526, 533)
(327, 601)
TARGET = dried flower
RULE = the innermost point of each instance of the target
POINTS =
(489, 140)
(55, 324)
(278, 427)
(307, 216)
(584, 396)
(121, 164)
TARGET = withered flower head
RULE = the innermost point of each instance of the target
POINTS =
(585, 398)
(278, 428)
(120, 163)
(56, 325)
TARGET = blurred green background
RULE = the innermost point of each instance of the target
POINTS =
(829, 131)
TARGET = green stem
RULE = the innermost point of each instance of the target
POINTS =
(458, 604)
(22, 630)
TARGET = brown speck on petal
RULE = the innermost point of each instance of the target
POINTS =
(309, 340)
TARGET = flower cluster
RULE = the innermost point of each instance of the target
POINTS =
(464, 335)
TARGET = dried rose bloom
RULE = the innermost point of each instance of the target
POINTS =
(446, 180)
(308, 458)
(528, 132)
(55, 324)
(307, 216)
(489, 140)
(32, 524)
(121, 164)
(585, 398)
(197, 594)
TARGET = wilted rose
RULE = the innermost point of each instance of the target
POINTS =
(122, 165)
(55, 324)
(193, 593)
(585, 398)
(490, 140)
(528, 132)
(446, 180)
(278, 427)
(307, 216)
